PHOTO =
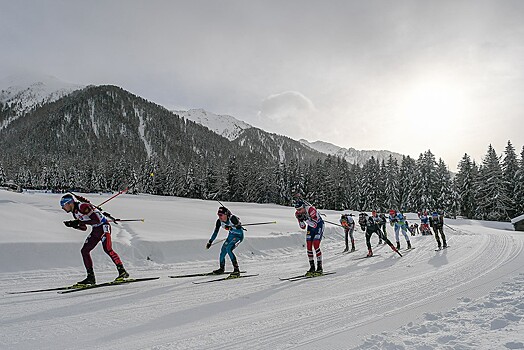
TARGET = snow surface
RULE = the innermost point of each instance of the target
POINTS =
(470, 296)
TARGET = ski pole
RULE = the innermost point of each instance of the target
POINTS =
(333, 223)
(450, 227)
(218, 241)
(118, 194)
(260, 223)
(127, 220)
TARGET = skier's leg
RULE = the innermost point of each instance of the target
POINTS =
(346, 234)
(89, 244)
(352, 239)
(405, 234)
(107, 244)
(310, 256)
(444, 244)
(235, 241)
(397, 235)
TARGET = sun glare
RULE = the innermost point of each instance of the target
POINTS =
(431, 101)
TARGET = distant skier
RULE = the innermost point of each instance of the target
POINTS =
(371, 227)
(398, 221)
(84, 214)
(362, 220)
(382, 225)
(424, 223)
(347, 221)
(437, 223)
(378, 221)
(309, 218)
(232, 224)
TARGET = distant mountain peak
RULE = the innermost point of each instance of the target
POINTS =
(350, 154)
(224, 125)
(27, 90)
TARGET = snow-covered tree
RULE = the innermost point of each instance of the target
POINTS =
(510, 169)
(465, 181)
(491, 198)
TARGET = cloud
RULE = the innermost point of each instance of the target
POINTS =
(289, 113)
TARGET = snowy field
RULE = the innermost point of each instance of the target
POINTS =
(470, 296)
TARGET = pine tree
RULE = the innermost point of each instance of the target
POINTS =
(445, 201)
(510, 169)
(492, 201)
(391, 186)
(519, 190)
(407, 175)
(3, 177)
(465, 181)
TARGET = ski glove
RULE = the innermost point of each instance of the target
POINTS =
(208, 245)
(227, 227)
(72, 223)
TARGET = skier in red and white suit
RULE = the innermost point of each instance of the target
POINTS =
(309, 218)
(86, 214)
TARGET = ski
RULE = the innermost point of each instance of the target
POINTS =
(41, 290)
(366, 257)
(202, 274)
(225, 278)
(439, 249)
(113, 283)
(346, 252)
(302, 277)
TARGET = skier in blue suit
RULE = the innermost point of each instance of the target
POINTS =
(398, 221)
(236, 234)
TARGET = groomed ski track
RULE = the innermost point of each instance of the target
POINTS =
(336, 312)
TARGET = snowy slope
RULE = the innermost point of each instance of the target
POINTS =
(25, 91)
(470, 296)
(224, 125)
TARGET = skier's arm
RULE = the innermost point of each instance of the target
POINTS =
(215, 232)
(301, 218)
(313, 218)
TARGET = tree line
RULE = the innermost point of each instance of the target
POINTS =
(491, 190)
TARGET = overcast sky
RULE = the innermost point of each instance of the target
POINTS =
(406, 76)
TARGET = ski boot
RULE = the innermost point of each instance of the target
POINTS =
(236, 271)
(398, 245)
(122, 273)
(89, 280)
(352, 249)
(379, 242)
(311, 270)
(319, 270)
(346, 250)
(220, 270)
(370, 254)
(409, 244)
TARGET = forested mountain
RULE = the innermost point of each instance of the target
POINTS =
(103, 138)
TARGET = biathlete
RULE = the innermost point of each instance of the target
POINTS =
(84, 214)
(232, 224)
(398, 221)
(309, 218)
